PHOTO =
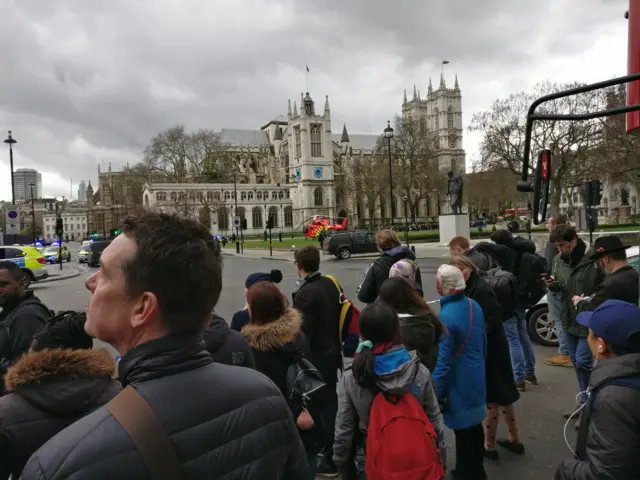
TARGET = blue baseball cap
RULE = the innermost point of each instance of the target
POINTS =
(614, 321)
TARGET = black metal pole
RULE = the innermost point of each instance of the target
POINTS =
(406, 223)
(270, 244)
(391, 187)
(235, 199)
(33, 216)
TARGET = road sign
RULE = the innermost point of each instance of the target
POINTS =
(236, 222)
(13, 220)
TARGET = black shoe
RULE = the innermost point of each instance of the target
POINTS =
(327, 469)
(517, 448)
(491, 454)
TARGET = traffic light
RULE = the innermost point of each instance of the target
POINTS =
(269, 222)
(244, 224)
(59, 227)
(596, 192)
(541, 187)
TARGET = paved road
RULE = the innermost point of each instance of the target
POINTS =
(539, 410)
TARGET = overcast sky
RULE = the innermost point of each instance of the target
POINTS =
(85, 82)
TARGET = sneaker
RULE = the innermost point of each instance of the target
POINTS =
(521, 386)
(517, 448)
(491, 454)
(327, 470)
(531, 380)
(559, 361)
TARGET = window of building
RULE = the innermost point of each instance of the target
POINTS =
(223, 218)
(242, 213)
(243, 196)
(259, 195)
(250, 195)
(216, 196)
(209, 196)
(318, 200)
(436, 112)
(181, 196)
(227, 195)
(287, 194)
(265, 195)
(280, 195)
(296, 133)
(274, 195)
(288, 216)
(161, 196)
(273, 215)
(173, 196)
(316, 140)
(423, 126)
(256, 217)
(450, 117)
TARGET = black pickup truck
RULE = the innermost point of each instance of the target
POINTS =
(343, 244)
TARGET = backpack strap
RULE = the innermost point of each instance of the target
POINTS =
(143, 426)
(464, 343)
(583, 433)
(344, 307)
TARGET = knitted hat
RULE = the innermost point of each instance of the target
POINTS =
(449, 280)
(405, 269)
(274, 276)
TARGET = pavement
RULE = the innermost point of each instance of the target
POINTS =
(69, 270)
(539, 410)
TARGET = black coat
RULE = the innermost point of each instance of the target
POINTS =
(51, 390)
(613, 435)
(418, 333)
(479, 290)
(225, 345)
(317, 299)
(620, 285)
(378, 272)
(224, 422)
(240, 319)
(18, 324)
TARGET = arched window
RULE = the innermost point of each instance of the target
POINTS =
(223, 218)
(200, 196)
(146, 203)
(280, 195)
(273, 215)
(227, 195)
(192, 195)
(423, 126)
(256, 217)
(161, 197)
(318, 200)
(265, 195)
(274, 195)
(259, 195)
(173, 196)
(287, 193)
(250, 195)
(210, 196)
(216, 196)
(182, 196)
(436, 112)
(243, 196)
(288, 216)
(233, 195)
(450, 117)
(242, 213)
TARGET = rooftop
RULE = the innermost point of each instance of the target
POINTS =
(244, 138)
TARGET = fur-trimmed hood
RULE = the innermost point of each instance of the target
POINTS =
(62, 381)
(274, 335)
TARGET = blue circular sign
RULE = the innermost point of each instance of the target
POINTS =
(12, 214)
(318, 172)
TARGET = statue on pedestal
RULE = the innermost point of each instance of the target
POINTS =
(454, 191)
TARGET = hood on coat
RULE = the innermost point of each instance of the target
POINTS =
(401, 251)
(622, 366)
(215, 335)
(396, 370)
(276, 334)
(62, 381)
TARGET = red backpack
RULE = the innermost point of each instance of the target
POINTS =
(401, 442)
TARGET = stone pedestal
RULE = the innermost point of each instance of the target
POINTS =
(624, 214)
(453, 226)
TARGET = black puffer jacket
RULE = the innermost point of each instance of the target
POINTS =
(224, 422)
(51, 390)
(610, 450)
(378, 272)
(18, 324)
(225, 345)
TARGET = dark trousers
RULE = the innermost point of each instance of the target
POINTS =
(470, 453)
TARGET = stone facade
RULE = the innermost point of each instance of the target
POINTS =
(74, 219)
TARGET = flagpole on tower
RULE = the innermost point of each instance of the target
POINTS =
(307, 67)
(444, 62)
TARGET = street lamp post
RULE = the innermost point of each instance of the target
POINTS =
(235, 199)
(406, 221)
(33, 214)
(388, 134)
(10, 141)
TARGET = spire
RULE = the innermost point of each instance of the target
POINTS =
(419, 94)
(289, 109)
(326, 104)
(295, 109)
(345, 135)
(302, 109)
(415, 93)
(430, 87)
(405, 96)
(456, 86)
(442, 85)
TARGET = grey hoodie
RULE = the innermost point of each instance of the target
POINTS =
(354, 406)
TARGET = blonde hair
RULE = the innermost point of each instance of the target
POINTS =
(386, 239)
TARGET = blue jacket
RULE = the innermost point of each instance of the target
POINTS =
(460, 379)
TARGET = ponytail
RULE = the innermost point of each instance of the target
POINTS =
(362, 367)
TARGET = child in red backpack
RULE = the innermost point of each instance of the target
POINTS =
(387, 381)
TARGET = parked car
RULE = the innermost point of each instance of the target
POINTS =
(51, 254)
(95, 251)
(344, 244)
(28, 259)
(542, 329)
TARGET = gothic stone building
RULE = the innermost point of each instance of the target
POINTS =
(295, 167)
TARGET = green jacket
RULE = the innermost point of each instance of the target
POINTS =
(581, 279)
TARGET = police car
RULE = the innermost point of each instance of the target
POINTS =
(29, 259)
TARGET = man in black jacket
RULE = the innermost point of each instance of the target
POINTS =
(317, 298)
(23, 314)
(391, 251)
(609, 438)
(621, 282)
(225, 345)
(151, 299)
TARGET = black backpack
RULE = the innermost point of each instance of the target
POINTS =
(307, 391)
(531, 288)
(505, 285)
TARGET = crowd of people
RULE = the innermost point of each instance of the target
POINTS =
(273, 396)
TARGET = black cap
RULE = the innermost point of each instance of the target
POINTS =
(604, 245)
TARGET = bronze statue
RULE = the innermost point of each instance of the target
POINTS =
(454, 190)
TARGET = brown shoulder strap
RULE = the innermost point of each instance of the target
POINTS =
(140, 422)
